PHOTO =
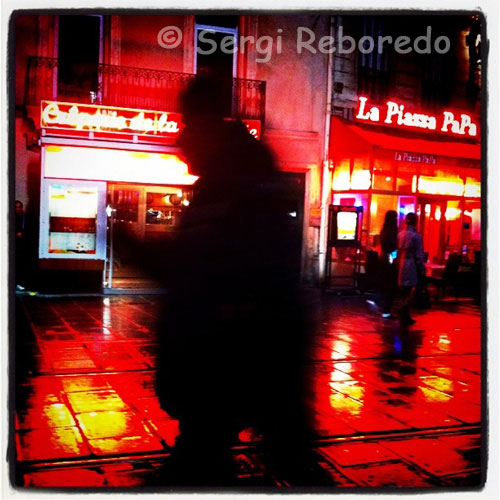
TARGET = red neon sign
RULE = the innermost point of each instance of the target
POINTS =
(396, 115)
(101, 122)
(108, 119)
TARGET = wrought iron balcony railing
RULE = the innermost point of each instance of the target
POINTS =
(126, 86)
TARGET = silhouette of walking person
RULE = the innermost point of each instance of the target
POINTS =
(232, 346)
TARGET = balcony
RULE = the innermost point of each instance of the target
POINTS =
(130, 87)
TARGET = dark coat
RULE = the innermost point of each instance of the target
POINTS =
(231, 345)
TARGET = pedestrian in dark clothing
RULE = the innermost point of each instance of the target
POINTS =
(232, 347)
(388, 266)
(411, 264)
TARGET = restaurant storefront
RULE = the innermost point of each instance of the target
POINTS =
(408, 162)
(107, 171)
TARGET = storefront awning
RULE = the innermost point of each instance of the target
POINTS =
(347, 139)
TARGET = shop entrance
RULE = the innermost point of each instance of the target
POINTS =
(148, 213)
(441, 228)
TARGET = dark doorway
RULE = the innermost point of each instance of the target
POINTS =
(292, 202)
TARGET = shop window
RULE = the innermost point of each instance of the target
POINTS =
(165, 208)
(406, 178)
(341, 176)
(383, 175)
(473, 183)
(72, 219)
(447, 185)
(379, 206)
(406, 205)
(472, 227)
(361, 177)
(126, 205)
(453, 229)
(445, 181)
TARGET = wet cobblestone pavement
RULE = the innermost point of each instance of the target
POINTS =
(391, 407)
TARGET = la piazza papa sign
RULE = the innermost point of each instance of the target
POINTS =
(67, 117)
(395, 114)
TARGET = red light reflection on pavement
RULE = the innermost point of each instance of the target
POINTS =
(92, 395)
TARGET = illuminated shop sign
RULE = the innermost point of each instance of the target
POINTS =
(395, 114)
(102, 121)
(69, 116)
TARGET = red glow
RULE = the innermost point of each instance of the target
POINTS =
(75, 162)
(63, 118)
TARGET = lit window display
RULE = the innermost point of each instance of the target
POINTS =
(346, 225)
(406, 178)
(126, 204)
(72, 219)
(74, 162)
(379, 206)
(441, 185)
(361, 177)
(165, 208)
(437, 178)
(341, 176)
(383, 175)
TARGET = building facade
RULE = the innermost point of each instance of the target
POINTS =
(405, 132)
(307, 106)
(121, 61)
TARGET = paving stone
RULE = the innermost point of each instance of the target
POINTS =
(50, 444)
(373, 380)
(44, 416)
(433, 455)
(102, 424)
(395, 474)
(357, 453)
(79, 383)
(65, 478)
(125, 445)
(90, 401)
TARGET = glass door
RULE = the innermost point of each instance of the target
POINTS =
(147, 213)
(126, 212)
(432, 226)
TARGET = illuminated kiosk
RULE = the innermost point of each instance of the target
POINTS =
(105, 167)
(390, 156)
(343, 247)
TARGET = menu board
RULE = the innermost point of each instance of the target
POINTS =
(346, 225)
